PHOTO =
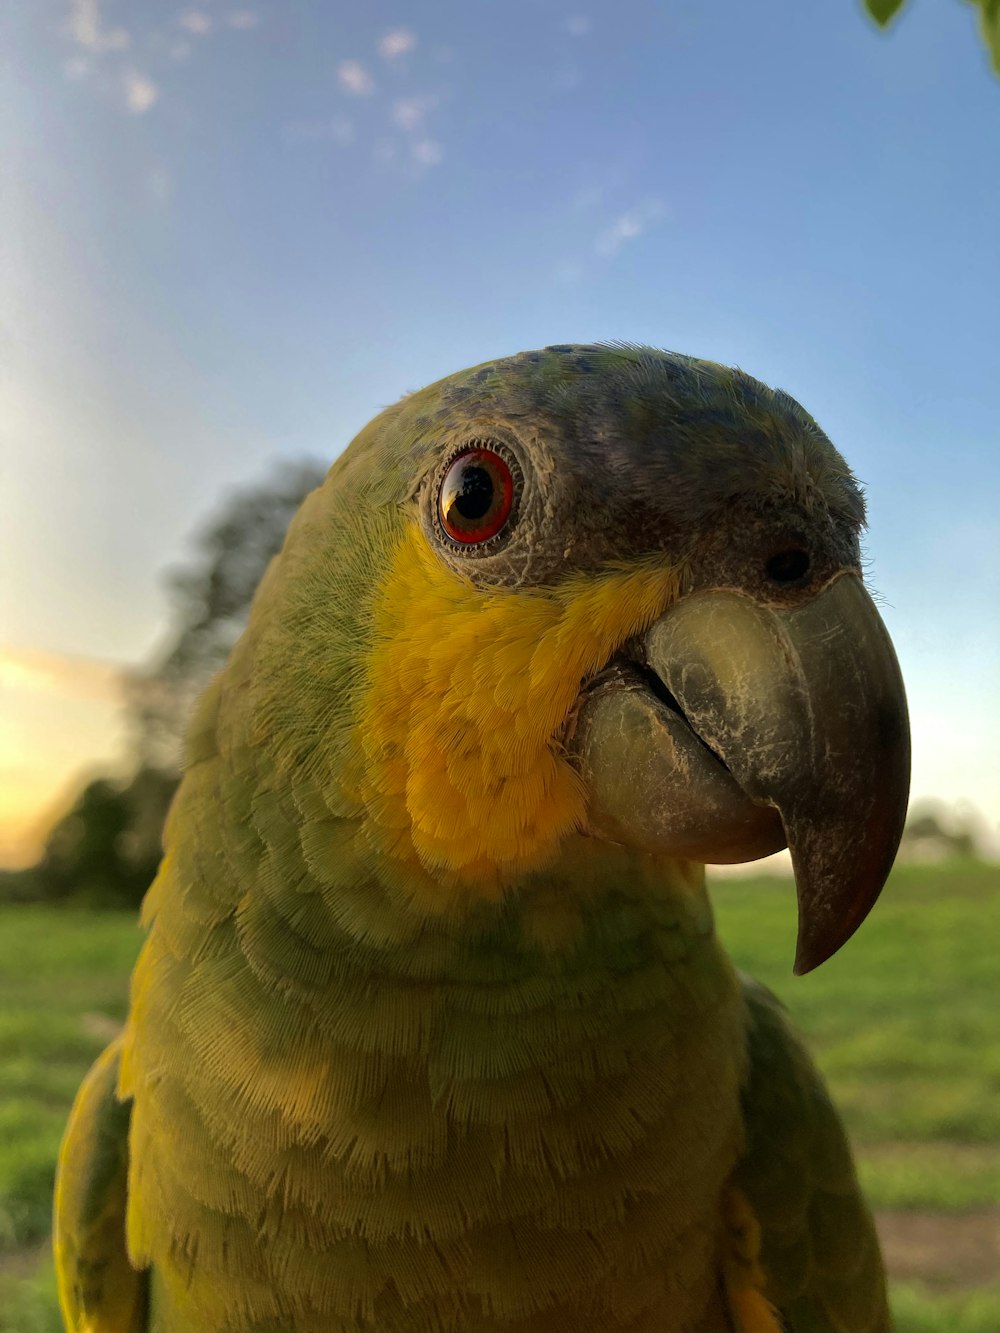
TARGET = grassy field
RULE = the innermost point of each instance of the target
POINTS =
(903, 1022)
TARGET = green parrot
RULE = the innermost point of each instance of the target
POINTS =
(431, 1031)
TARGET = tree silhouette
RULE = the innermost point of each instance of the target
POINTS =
(212, 595)
(105, 851)
(939, 834)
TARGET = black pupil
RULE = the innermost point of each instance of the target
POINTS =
(475, 494)
(788, 566)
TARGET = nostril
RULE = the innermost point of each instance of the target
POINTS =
(788, 566)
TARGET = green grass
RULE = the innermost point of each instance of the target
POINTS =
(63, 984)
(28, 1302)
(903, 1024)
(971, 1312)
(940, 1177)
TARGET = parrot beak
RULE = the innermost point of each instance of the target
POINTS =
(740, 727)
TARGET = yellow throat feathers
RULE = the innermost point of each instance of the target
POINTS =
(466, 698)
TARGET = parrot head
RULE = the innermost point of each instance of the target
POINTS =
(593, 596)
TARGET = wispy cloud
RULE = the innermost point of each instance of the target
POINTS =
(629, 227)
(396, 43)
(427, 153)
(56, 673)
(87, 29)
(196, 22)
(620, 231)
(409, 113)
(409, 143)
(56, 711)
(105, 55)
(578, 25)
(140, 92)
(354, 78)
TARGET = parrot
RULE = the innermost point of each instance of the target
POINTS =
(431, 1031)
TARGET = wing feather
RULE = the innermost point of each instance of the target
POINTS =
(819, 1249)
(99, 1290)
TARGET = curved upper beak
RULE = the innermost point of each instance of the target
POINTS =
(749, 726)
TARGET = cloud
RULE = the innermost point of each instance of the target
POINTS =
(354, 78)
(427, 153)
(196, 22)
(628, 227)
(140, 92)
(76, 67)
(57, 673)
(578, 25)
(242, 19)
(621, 230)
(86, 29)
(407, 143)
(58, 713)
(409, 112)
(396, 43)
(408, 115)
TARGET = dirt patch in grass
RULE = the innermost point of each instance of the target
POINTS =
(25, 1260)
(948, 1251)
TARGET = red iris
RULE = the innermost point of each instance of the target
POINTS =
(476, 496)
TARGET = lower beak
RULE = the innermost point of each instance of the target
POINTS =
(751, 725)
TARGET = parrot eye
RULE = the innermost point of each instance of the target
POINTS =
(476, 495)
(788, 566)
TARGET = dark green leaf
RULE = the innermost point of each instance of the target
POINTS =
(883, 10)
(989, 23)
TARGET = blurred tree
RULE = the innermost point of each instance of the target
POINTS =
(934, 835)
(105, 850)
(883, 11)
(212, 596)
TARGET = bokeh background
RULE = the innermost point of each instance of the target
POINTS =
(232, 232)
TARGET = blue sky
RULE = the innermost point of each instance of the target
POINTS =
(234, 230)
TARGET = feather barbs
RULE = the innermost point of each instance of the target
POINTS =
(467, 693)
